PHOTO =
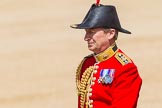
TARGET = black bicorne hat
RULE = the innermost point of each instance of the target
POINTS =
(101, 16)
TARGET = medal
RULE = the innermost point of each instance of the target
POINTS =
(106, 76)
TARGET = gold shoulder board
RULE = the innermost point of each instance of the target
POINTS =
(122, 58)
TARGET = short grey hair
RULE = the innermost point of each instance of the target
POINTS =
(116, 33)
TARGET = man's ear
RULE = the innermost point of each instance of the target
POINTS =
(111, 34)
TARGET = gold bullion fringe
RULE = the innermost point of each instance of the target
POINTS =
(83, 83)
(77, 78)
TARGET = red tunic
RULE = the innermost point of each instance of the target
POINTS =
(122, 91)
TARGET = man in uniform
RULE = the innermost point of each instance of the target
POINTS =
(108, 78)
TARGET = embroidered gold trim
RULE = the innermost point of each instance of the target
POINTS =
(108, 53)
(85, 82)
(82, 85)
(77, 79)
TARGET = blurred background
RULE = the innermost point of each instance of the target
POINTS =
(39, 52)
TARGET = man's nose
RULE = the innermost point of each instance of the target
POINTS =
(86, 37)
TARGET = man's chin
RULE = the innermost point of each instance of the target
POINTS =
(91, 49)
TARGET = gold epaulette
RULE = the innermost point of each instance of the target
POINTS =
(122, 58)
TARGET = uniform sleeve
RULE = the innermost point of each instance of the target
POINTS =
(126, 87)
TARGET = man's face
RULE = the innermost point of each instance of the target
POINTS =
(97, 39)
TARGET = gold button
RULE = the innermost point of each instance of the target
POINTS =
(89, 94)
(95, 71)
(90, 89)
(91, 106)
(93, 83)
(96, 67)
(91, 101)
(94, 78)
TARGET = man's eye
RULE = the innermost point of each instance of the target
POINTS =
(93, 31)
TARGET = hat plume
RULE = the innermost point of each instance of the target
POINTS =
(97, 2)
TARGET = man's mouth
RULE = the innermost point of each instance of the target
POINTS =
(90, 43)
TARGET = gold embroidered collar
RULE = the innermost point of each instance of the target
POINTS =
(109, 52)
